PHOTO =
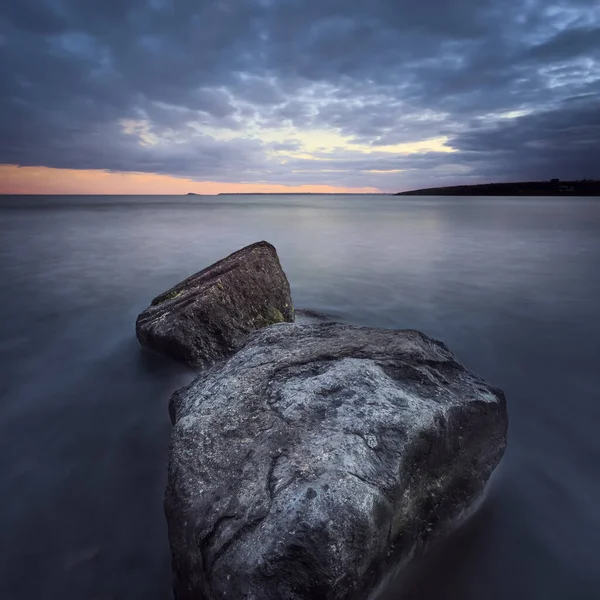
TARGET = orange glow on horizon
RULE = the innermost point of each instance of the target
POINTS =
(46, 180)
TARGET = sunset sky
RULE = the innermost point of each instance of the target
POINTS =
(165, 96)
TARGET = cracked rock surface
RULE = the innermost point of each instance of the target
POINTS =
(318, 456)
(208, 316)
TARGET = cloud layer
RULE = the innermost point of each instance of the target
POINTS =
(389, 94)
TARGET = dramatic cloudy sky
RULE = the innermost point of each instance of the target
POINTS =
(247, 95)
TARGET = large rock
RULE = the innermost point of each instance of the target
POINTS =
(319, 456)
(208, 316)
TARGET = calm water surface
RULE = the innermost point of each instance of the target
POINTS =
(511, 285)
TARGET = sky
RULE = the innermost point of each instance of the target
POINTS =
(176, 96)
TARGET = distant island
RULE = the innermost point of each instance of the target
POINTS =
(554, 187)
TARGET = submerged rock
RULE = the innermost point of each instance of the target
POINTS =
(310, 317)
(208, 316)
(318, 456)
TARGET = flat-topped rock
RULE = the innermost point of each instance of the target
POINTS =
(319, 456)
(208, 316)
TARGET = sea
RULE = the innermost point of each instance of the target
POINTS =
(511, 285)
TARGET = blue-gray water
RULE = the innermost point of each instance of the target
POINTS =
(511, 285)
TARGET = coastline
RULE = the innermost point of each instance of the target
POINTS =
(554, 187)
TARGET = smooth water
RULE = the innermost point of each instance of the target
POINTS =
(511, 285)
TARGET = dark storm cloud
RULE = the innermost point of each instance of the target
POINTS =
(570, 43)
(566, 136)
(192, 87)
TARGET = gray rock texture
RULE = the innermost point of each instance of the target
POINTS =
(208, 316)
(318, 456)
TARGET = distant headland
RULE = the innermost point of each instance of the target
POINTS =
(554, 187)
